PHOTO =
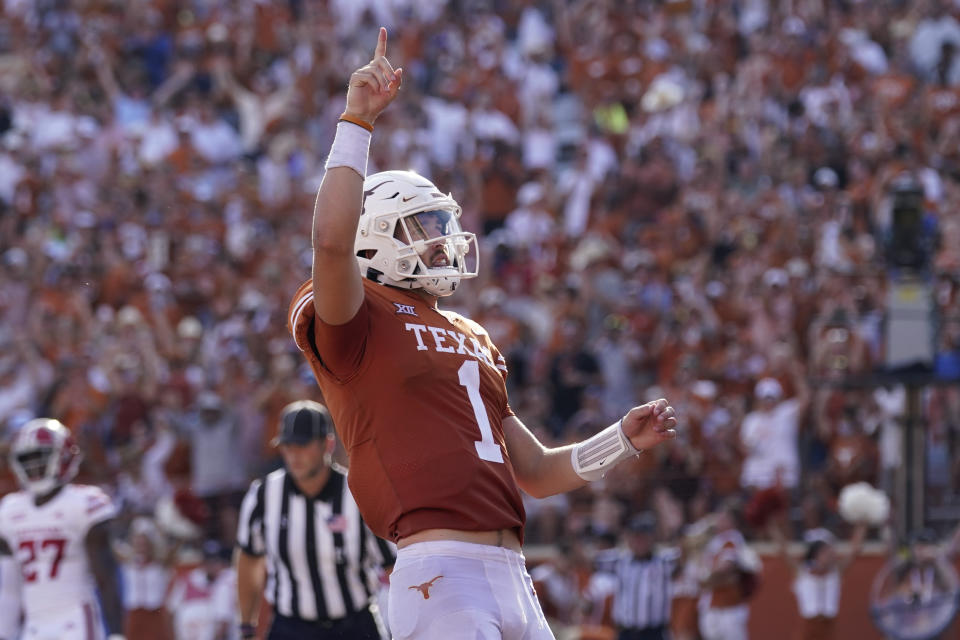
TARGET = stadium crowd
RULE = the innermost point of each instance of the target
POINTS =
(689, 199)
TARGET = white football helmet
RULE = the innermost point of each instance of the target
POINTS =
(409, 235)
(44, 456)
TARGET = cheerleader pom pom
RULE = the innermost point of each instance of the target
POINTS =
(860, 503)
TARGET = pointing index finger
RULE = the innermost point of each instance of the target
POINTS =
(381, 44)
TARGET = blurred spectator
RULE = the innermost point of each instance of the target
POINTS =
(573, 369)
(216, 476)
(24, 376)
(729, 577)
(561, 584)
(770, 433)
(147, 565)
(201, 600)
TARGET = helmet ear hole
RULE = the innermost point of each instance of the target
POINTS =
(367, 253)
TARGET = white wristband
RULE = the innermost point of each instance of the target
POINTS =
(594, 456)
(350, 148)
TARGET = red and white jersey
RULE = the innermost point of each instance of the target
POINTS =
(201, 605)
(48, 545)
(418, 396)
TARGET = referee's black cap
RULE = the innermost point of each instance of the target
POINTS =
(644, 522)
(303, 421)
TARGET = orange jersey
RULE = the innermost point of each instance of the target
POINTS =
(418, 397)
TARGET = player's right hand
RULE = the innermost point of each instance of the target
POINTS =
(374, 85)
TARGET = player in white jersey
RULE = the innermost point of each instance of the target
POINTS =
(58, 536)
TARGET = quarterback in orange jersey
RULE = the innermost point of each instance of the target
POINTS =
(58, 535)
(418, 395)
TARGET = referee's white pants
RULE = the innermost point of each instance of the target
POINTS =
(447, 590)
(729, 623)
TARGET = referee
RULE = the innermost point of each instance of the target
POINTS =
(302, 543)
(639, 582)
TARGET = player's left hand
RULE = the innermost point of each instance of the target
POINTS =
(650, 424)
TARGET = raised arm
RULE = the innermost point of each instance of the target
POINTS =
(845, 559)
(183, 72)
(103, 68)
(337, 286)
(780, 539)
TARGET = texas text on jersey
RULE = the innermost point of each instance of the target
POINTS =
(449, 378)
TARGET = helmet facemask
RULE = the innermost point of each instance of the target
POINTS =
(44, 457)
(34, 471)
(437, 248)
(417, 245)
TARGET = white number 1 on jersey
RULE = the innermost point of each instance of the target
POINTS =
(487, 448)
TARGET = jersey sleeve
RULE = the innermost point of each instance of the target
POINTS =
(4, 518)
(336, 350)
(93, 507)
(177, 592)
(250, 538)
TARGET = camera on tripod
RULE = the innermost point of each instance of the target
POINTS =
(910, 238)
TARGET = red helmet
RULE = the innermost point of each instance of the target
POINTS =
(44, 456)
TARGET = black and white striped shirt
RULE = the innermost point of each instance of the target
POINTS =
(322, 560)
(640, 588)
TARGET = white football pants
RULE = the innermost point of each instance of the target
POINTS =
(447, 590)
(80, 622)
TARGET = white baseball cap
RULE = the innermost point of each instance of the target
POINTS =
(768, 388)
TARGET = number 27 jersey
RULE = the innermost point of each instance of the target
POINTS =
(48, 545)
(418, 397)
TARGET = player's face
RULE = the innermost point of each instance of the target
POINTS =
(304, 461)
(640, 542)
(426, 226)
(34, 463)
(141, 545)
(825, 558)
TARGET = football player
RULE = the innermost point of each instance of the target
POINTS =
(58, 535)
(418, 395)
